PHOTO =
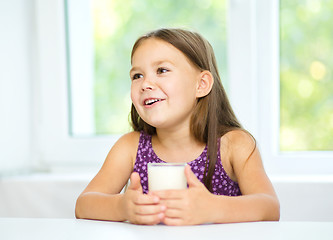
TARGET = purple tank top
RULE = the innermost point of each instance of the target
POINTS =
(221, 182)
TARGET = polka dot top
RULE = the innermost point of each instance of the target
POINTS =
(221, 182)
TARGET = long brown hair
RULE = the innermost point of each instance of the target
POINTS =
(213, 116)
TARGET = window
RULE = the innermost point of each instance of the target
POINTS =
(278, 56)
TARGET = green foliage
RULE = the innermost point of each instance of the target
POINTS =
(306, 86)
(118, 23)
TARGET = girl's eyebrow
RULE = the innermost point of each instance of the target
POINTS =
(133, 69)
(156, 63)
(162, 61)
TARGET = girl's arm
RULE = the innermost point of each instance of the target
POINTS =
(102, 199)
(197, 205)
(258, 201)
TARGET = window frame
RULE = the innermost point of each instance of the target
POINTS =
(56, 147)
(253, 46)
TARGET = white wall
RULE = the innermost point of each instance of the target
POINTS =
(40, 195)
(305, 198)
(15, 83)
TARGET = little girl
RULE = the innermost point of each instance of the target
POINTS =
(180, 113)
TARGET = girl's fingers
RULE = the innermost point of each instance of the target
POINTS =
(172, 203)
(146, 199)
(148, 219)
(173, 213)
(173, 221)
(192, 180)
(149, 209)
(169, 194)
(135, 182)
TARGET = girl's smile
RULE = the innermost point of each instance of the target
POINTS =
(150, 102)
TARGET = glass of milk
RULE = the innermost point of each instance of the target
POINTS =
(163, 176)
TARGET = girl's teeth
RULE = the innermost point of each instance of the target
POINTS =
(150, 101)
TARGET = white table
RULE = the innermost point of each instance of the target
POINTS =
(35, 229)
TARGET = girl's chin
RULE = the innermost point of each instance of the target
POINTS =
(157, 124)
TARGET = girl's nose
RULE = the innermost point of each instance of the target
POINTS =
(147, 85)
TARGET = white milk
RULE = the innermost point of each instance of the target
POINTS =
(162, 176)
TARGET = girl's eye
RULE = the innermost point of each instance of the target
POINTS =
(137, 76)
(162, 70)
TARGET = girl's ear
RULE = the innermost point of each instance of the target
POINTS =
(205, 84)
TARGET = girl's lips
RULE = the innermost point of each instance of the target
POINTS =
(151, 101)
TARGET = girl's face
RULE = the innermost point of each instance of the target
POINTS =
(164, 85)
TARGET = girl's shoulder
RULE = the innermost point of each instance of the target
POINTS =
(238, 139)
(129, 139)
(237, 146)
(127, 143)
(125, 147)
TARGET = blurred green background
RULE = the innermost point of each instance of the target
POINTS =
(306, 80)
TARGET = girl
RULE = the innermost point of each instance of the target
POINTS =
(180, 113)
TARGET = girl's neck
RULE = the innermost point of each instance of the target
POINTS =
(176, 146)
(171, 138)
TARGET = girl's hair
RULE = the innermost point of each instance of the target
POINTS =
(213, 116)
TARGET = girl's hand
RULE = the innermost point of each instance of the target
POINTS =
(186, 207)
(141, 208)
